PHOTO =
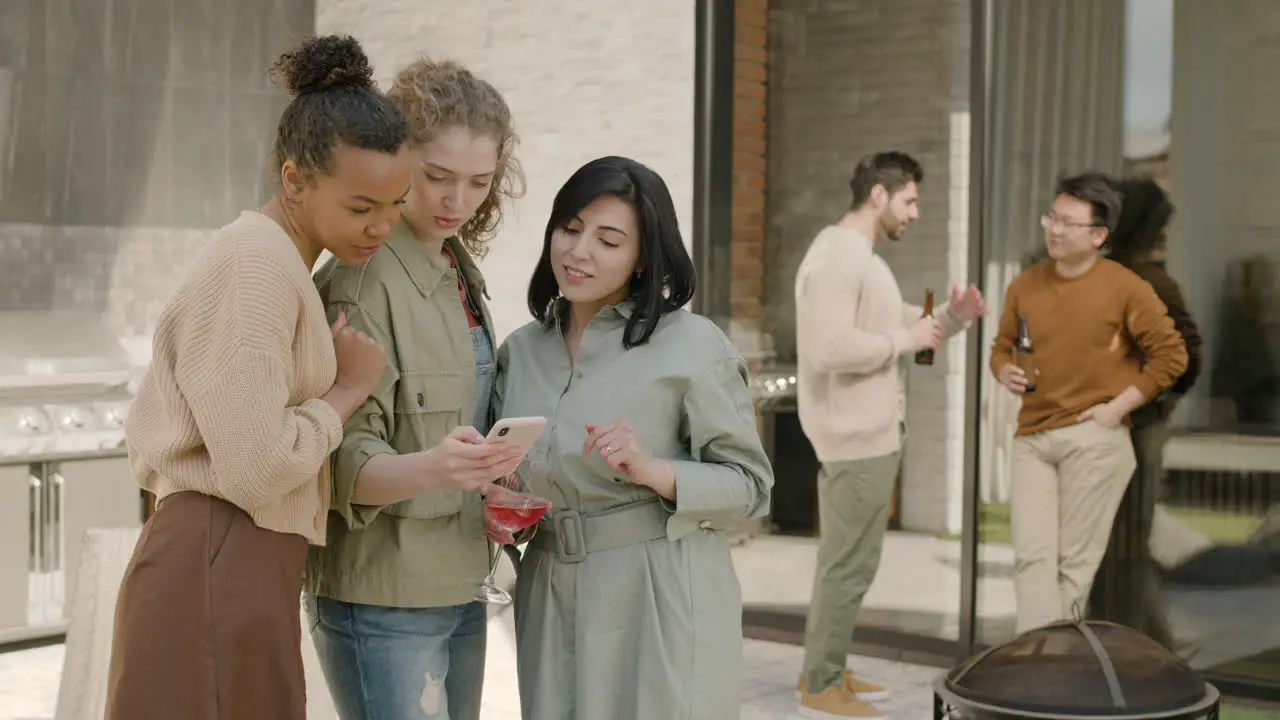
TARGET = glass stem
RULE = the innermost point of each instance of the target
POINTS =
(493, 562)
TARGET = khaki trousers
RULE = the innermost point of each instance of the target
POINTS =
(1067, 484)
(853, 515)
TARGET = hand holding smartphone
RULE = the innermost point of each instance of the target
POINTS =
(521, 432)
(465, 460)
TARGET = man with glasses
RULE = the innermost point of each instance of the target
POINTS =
(1104, 345)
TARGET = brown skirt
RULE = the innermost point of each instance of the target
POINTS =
(207, 623)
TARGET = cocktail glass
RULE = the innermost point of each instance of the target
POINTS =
(506, 512)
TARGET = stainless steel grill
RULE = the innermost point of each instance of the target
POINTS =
(64, 395)
(775, 388)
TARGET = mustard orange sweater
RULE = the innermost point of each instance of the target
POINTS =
(1094, 336)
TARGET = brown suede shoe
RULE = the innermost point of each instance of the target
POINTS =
(863, 690)
(835, 703)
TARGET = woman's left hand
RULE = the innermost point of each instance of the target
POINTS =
(616, 442)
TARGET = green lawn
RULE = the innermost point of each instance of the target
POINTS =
(1242, 712)
(1219, 525)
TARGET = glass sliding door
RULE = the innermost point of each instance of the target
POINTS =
(846, 80)
(1184, 94)
(1055, 106)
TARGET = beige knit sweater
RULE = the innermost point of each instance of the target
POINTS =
(229, 406)
(852, 329)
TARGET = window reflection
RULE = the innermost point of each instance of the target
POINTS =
(912, 95)
(1193, 110)
(1181, 92)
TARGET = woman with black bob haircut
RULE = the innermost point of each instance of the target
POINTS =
(664, 279)
(245, 397)
(627, 604)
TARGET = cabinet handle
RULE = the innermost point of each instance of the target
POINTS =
(35, 517)
(53, 526)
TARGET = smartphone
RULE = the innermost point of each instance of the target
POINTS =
(522, 432)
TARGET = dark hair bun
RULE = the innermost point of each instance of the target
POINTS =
(323, 63)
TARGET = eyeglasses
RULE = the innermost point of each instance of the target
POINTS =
(1049, 222)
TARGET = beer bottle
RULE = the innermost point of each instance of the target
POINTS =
(1024, 354)
(925, 356)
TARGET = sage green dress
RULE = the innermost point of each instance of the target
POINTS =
(627, 606)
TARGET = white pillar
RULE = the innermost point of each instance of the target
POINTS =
(584, 79)
(104, 555)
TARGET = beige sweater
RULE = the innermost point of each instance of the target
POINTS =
(229, 405)
(852, 326)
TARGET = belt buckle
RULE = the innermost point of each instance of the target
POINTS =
(571, 543)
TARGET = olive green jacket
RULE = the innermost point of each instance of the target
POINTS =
(428, 551)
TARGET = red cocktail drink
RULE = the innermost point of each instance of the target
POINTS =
(507, 512)
(515, 518)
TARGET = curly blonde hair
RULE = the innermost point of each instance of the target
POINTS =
(437, 95)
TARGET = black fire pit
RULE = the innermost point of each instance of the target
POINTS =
(1075, 671)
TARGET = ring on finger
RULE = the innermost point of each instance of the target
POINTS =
(608, 449)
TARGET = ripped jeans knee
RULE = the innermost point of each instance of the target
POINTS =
(407, 664)
(434, 702)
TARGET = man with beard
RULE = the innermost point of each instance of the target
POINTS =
(852, 328)
(1105, 345)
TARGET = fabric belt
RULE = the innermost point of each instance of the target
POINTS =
(572, 535)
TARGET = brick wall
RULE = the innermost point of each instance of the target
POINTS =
(750, 71)
(577, 85)
(846, 79)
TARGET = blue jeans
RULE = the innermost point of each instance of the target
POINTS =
(386, 663)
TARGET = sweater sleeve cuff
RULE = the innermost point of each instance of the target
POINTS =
(1148, 387)
(952, 323)
(901, 342)
(328, 418)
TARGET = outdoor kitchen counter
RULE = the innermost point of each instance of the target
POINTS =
(47, 503)
(63, 457)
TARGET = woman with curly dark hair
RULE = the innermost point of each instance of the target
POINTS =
(245, 398)
(391, 598)
(1126, 589)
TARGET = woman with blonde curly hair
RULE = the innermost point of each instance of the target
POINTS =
(390, 598)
